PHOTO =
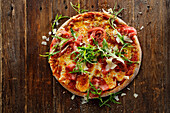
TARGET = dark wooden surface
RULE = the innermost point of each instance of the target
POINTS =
(26, 82)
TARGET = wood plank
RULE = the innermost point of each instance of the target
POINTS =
(152, 70)
(62, 98)
(166, 45)
(38, 76)
(13, 55)
(0, 60)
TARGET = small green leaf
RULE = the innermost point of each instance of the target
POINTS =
(73, 33)
(57, 18)
(77, 8)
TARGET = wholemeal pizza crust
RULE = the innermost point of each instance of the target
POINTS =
(118, 88)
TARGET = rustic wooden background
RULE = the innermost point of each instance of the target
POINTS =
(26, 82)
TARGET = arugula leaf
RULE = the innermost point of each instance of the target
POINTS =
(77, 8)
(126, 44)
(73, 34)
(63, 40)
(126, 59)
(98, 92)
(105, 45)
(47, 54)
(57, 18)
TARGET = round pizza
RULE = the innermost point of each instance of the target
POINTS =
(94, 54)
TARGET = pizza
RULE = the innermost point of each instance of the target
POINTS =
(95, 50)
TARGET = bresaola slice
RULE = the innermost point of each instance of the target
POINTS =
(114, 68)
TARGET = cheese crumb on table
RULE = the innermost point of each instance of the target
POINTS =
(72, 98)
(128, 88)
(135, 95)
(49, 33)
(44, 37)
(44, 43)
(141, 27)
(116, 98)
(123, 94)
(54, 31)
(84, 100)
(140, 13)
(47, 39)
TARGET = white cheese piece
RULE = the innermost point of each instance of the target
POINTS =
(54, 31)
(81, 43)
(126, 38)
(59, 34)
(84, 100)
(44, 37)
(65, 48)
(105, 11)
(128, 88)
(120, 59)
(44, 43)
(126, 77)
(135, 95)
(109, 60)
(140, 13)
(84, 66)
(123, 94)
(57, 23)
(47, 39)
(115, 48)
(86, 22)
(116, 98)
(50, 33)
(72, 98)
(62, 76)
(141, 27)
(110, 64)
(110, 10)
(118, 39)
(114, 32)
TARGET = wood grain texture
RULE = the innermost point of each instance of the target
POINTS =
(26, 82)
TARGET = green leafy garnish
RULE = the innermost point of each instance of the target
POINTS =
(63, 40)
(49, 54)
(126, 59)
(77, 8)
(111, 20)
(73, 34)
(98, 92)
(57, 18)
(84, 54)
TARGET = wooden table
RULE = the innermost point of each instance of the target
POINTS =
(26, 81)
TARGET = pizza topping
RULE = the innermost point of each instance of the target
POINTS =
(110, 64)
(126, 30)
(126, 38)
(126, 77)
(82, 83)
(98, 34)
